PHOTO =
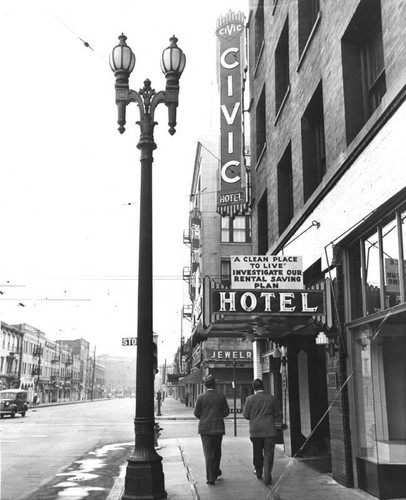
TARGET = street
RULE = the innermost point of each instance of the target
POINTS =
(41, 450)
(49, 439)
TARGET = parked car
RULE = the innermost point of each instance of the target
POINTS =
(13, 401)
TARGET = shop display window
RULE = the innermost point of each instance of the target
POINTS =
(380, 385)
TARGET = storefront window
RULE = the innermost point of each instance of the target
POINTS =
(390, 248)
(364, 394)
(402, 232)
(375, 268)
(380, 376)
(372, 275)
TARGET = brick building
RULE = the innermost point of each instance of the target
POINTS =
(327, 111)
(212, 239)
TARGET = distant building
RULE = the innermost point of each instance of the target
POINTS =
(10, 356)
(120, 374)
(81, 350)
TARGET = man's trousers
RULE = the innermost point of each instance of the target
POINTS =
(212, 454)
(263, 456)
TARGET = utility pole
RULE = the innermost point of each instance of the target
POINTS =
(93, 374)
(20, 363)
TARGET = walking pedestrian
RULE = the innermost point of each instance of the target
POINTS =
(263, 412)
(211, 409)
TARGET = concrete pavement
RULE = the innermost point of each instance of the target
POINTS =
(184, 470)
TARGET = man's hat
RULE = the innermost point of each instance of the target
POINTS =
(209, 380)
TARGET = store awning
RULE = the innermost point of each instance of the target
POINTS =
(193, 378)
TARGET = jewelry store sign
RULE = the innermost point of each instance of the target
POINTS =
(266, 271)
(229, 355)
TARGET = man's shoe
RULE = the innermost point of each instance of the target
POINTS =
(268, 483)
(210, 482)
(218, 473)
(258, 474)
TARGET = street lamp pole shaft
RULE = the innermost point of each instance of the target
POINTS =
(144, 401)
(144, 476)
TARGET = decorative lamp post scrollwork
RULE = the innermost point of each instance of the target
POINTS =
(144, 476)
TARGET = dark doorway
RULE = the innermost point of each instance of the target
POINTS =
(309, 426)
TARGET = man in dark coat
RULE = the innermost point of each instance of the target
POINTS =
(211, 409)
(262, 411)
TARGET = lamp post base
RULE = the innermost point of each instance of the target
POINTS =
(144, 480)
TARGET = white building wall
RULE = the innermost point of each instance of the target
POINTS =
(376, 175)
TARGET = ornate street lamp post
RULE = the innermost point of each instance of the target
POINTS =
(144, 476)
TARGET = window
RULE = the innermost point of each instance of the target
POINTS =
(282, 67)
(285, 190)
(225, 272)
(380, 374)
(377, 274)
(263, 224)
(363, 66)
(260, 128)
(308, 11)
(237, 230)
(259, 29)
(313, 144)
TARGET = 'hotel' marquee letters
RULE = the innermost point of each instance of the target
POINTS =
(291, 302)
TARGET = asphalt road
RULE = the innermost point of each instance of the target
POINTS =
(34, 449)
(54, 448)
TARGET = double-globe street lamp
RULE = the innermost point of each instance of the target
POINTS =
(144, 476)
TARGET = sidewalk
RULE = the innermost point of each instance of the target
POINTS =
(184, 470)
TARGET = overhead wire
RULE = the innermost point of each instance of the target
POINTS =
(85, 43)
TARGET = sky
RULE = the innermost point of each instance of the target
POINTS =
(69, 212)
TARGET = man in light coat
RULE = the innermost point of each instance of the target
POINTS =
(262, 411)
(211, 409)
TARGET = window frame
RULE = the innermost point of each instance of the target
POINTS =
(313, 143)
(285, 190)
(231, 230)
(282, 68)
(362, 56)
(358, 273)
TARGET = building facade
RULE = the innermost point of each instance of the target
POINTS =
(213, 239)
(60, 370)
(10, 357)
(120, 374)
(327, 108)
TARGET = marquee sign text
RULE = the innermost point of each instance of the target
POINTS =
(286, 302)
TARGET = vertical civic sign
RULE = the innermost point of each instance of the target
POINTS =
(232, 197)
